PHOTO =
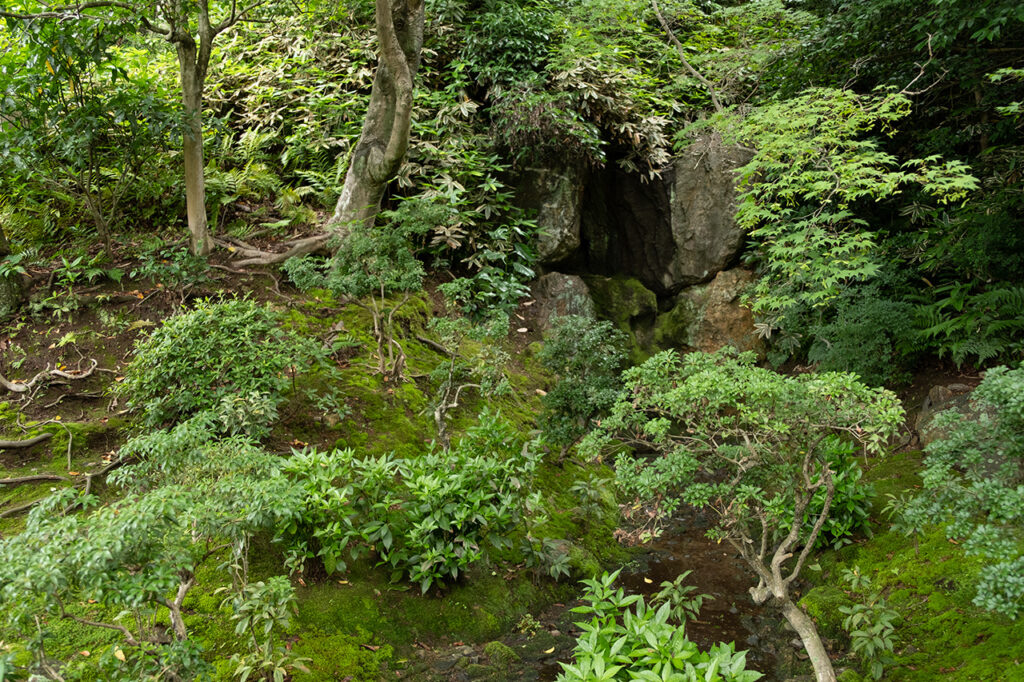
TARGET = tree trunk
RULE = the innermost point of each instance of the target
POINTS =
(385, 135)
(805, 627)
(12, 291)
(200, 240)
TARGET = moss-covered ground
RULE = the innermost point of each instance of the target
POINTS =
(930, 582)
(358, 625)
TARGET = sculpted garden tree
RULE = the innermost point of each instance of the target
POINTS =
(191, 28)
(763, 452)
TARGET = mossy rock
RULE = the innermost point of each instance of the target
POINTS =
(12, 295)
(622, 300)
(677, 327)
(822, 604)
(501, 655)
(630, 306)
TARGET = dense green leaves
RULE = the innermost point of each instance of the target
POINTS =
(814, 165)
(972, 484)
(426, 518)
(199, 358)
(586, 356)
(646, 642)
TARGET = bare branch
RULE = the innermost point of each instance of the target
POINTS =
(31, 479)
(682, 57)
(18, 444)
(920, 73)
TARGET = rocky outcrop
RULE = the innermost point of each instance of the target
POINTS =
(704, 230)
(940, 399)
(555, 196)
(710, 316)
(630, 306)
(558, 295)
(669, 233)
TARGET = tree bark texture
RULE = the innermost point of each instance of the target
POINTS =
(804, 626)
(193, 62)
(384, 139)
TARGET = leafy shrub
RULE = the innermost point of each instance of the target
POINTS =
(262, 611)
(127, 558)
(972, 484)
(646, 642)
(587, 356)
(871, 625)
(503, 42)
(426, 518)
(371, 263)
(849, 513)
(872, 337)
(195, 359)
(86, 130)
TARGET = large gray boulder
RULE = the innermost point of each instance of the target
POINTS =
(556, 196)
(703, 209)
(941, 398)
(558, 295)
(669, 233)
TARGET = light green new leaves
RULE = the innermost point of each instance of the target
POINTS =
(815, 159)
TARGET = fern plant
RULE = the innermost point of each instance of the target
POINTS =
(981, 326)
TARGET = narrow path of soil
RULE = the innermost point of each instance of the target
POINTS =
(730, 616)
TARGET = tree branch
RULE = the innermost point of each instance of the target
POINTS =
(682, 57)
(18, 444)
(31, 479)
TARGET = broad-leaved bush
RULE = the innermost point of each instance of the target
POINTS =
(973, 485)
(216, 350)
(627, 638)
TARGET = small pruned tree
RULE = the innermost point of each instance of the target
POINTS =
(753, 447)
(128, 567)
(474, 360)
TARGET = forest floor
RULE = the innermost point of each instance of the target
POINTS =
(503, 624)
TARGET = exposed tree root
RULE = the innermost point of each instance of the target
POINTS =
(251, 256)
(26, 386)
(31, 479)
(17, 444)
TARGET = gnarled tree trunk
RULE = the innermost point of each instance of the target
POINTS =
(385, 135)
(384, 138)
